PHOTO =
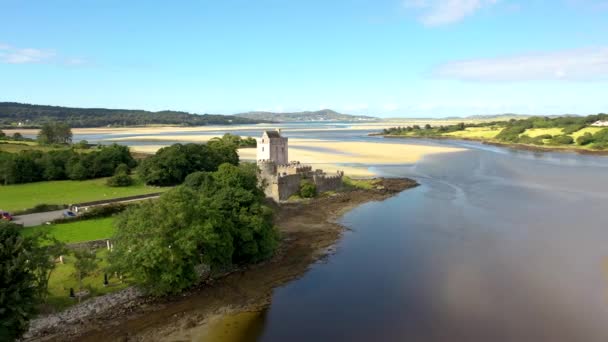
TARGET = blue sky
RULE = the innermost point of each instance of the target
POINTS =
(391, 58)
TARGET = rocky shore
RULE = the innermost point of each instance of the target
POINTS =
(308, 230)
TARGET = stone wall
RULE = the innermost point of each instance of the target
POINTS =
(286, 186)
(325, 182)
(294, 168)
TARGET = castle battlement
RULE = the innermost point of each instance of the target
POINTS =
(282, 179)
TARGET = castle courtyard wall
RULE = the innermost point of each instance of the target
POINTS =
(327, 182)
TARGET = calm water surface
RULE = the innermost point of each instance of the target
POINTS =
(495, 245)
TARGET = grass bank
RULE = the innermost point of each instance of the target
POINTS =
(77, 231)
(63, 278)
(24, 196)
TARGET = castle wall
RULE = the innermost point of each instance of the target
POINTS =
(325, 182)
(285, 187)
(294, 168)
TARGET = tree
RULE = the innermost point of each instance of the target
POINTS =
(17, 136)
(561, 140)
(585, 139)
(25, 267)
(83, 145)
(55, 133)
(2, 135)
(215, 218)
(170, 165)
(121, 177)
(17, 295)
(84, 265)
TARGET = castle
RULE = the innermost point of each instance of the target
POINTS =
(282, 178)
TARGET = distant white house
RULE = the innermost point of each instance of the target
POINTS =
(600, 124)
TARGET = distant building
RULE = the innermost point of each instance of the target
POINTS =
(282, 178)
(600, 124)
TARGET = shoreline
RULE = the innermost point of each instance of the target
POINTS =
(514, 146)
(308, 229)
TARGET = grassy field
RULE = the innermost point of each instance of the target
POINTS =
(366, 184)
(77, 231)
(15, 147)
(18, 146)
(25, 196)
(591, 130)
(476, 133)
(62, 279)
(535, 132)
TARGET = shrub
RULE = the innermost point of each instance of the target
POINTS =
(307, 189)
(585, 139)
(561, 140)
(119, 180)
(83, 145)
(95, 212)
(573, 128)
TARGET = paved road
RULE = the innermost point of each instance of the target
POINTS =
(38, 218)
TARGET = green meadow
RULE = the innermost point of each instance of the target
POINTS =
(77, 231)
(25, 196)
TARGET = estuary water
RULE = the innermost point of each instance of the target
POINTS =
(495, 245)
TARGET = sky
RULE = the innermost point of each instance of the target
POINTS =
(387, 58)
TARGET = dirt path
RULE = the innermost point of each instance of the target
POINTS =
(308, 231)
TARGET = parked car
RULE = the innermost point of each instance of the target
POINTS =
(6, 216)
(69, 213)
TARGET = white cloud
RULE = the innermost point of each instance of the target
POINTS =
(443, 12)
(569, 65)
(13, 55)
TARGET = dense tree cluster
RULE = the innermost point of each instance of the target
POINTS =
(236, 140)
(170, 165)
(36, 115)
(215, 219)
(33, 166)
(55, 133)
(598, 139)
(26, 264)
(428, 130)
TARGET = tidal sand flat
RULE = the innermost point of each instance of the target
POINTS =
(352, 157)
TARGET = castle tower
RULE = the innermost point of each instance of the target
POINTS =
(272, 146)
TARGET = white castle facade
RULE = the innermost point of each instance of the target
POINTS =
(281, 177)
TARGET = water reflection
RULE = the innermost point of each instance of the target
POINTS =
(492, 247)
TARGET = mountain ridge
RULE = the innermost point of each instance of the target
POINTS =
(303, 116)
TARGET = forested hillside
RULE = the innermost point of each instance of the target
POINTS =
(28, 115)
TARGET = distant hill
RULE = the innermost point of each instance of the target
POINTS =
(320, 115)
(12, 113)
(506, 116)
